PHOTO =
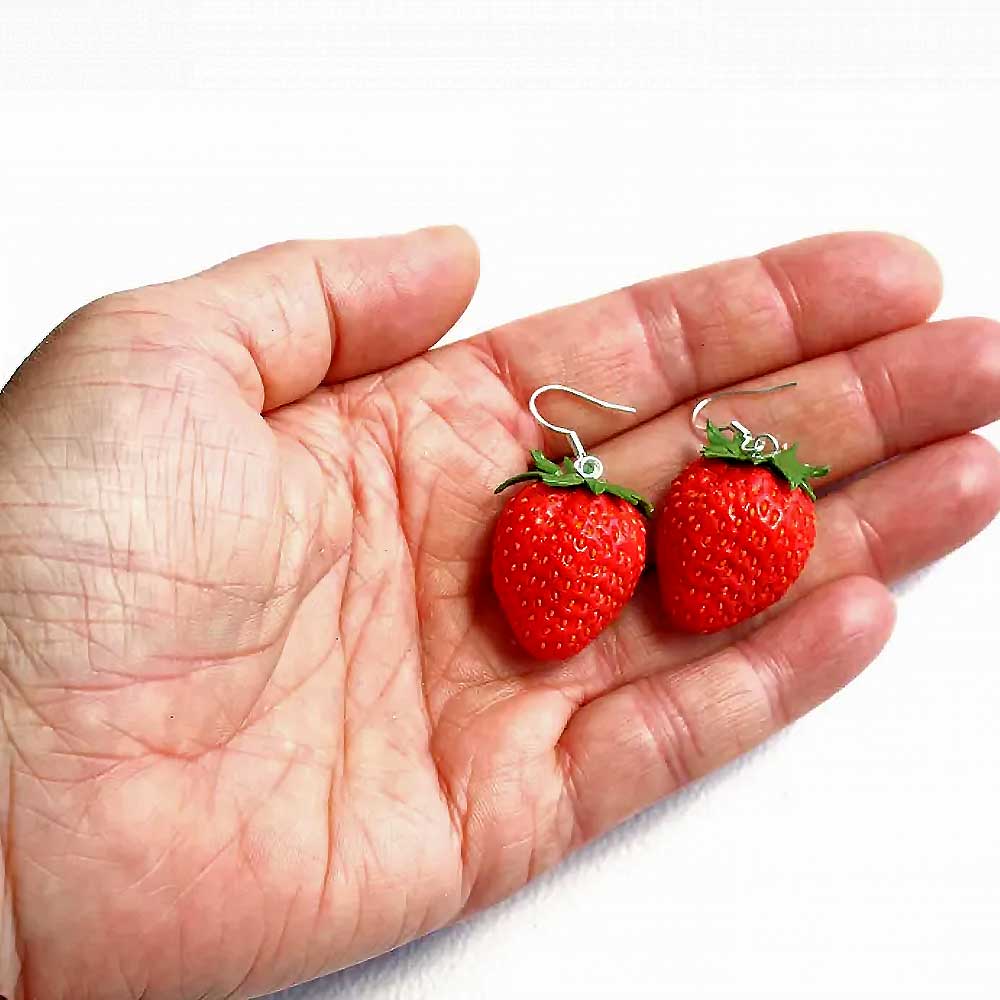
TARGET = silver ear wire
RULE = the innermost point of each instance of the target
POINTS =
(751, 443)
(588, 466)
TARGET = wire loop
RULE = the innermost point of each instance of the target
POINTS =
(588, 466)
(752, 444)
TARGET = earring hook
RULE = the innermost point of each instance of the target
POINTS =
(751, 442)
(589, 466)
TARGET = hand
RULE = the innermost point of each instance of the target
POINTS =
(263, 716)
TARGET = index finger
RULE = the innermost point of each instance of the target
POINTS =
(657, 343)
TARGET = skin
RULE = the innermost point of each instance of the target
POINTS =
(262, 717)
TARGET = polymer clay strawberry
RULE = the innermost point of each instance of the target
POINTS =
(734, 531)
(567, 554)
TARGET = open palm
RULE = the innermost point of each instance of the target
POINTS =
(263, 713)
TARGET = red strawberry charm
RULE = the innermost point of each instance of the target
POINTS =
(735, 530)
(568, 551)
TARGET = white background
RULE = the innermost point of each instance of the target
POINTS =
(586, 145)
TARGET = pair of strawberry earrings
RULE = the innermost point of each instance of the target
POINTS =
(734, 532)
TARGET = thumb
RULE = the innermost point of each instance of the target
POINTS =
(284, 319)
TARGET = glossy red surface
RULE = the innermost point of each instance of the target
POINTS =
(564, 563)
(730, 540)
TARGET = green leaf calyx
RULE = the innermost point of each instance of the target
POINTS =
(565, 476)
(784, 462)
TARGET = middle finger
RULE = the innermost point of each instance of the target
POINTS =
(849, 410)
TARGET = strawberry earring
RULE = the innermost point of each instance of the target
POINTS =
(569, 548)
(736, 526)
